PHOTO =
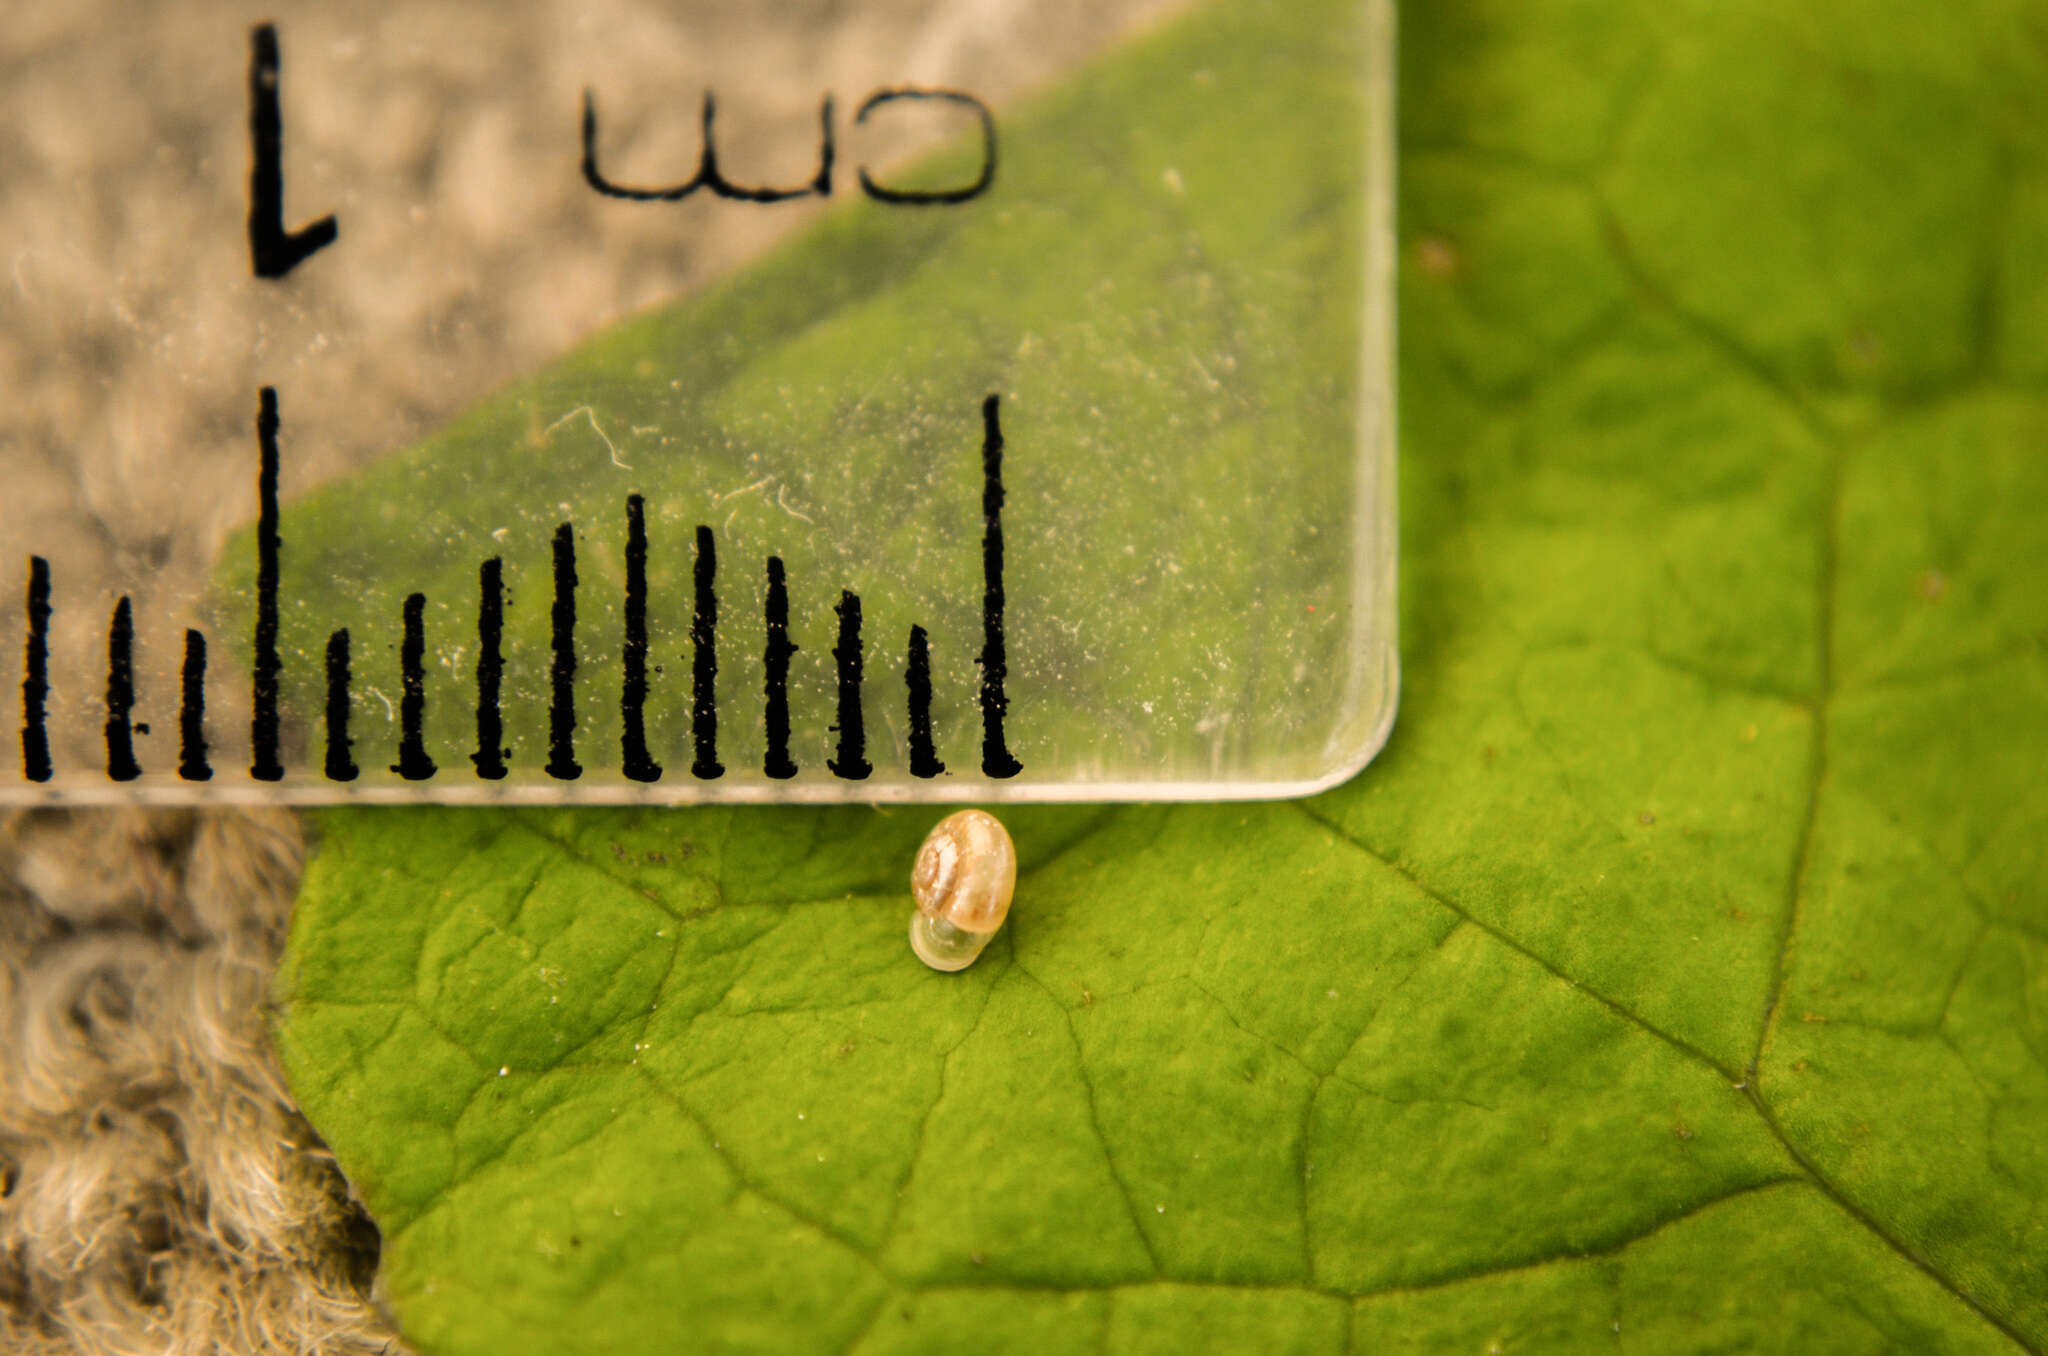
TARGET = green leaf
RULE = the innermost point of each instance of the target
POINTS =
(1678, 978)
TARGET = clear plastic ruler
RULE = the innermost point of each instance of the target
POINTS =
(888, 400)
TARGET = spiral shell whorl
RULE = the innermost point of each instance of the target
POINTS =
(962, 881)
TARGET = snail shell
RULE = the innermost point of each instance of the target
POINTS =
(963, 879)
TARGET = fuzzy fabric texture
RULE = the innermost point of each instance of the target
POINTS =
(158, 1190)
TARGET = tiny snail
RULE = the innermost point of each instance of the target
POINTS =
(962, 882)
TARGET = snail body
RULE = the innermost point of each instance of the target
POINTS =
(962, 881)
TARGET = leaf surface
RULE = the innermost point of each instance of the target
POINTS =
(1676, 980)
